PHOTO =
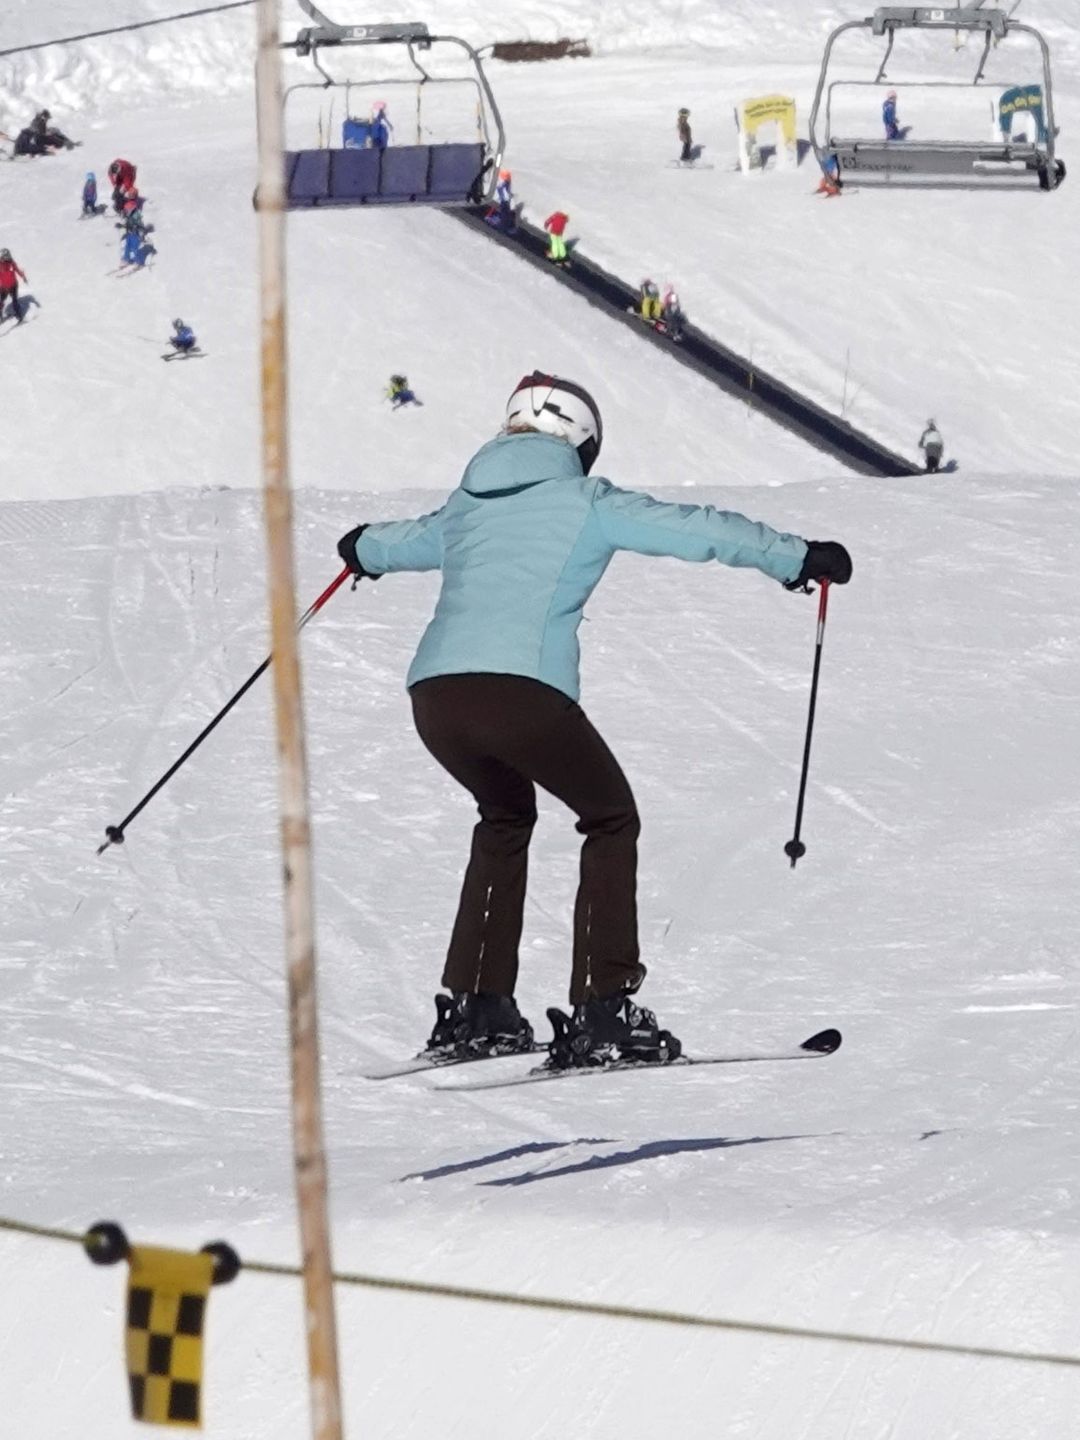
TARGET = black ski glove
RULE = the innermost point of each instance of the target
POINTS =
(825, 560)
(346, 548)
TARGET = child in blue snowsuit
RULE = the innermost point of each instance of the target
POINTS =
(89, 194)
(137, 248)
(399, 394)
(183, 339)
(888, 117)
(380, 128)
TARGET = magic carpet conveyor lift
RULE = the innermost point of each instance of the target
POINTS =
(1002, 161)
(450, 173)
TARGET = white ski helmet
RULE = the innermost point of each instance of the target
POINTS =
(558, 407)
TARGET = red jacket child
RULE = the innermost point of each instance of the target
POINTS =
(10, 274)
(557, 223)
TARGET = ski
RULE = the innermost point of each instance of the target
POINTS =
(420, 1063)
(825, 1042)
(195, 354)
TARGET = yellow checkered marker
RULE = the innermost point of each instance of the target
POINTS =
(166, 1311)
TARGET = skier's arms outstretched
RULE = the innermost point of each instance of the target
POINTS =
(378, 549)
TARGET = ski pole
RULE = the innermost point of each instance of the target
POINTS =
(795, 849)
(114, 834)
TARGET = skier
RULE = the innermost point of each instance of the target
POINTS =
(183, 338)
(932, 446)
(399, 394)
(672, 314)
(89, 194)
(10, 275)
(830, 182)
(137, 248)
(40, 137)
(503, 217)
(650, 306)
(122, 176)
(379, 127)
(682, 126)
(888, 117)
(521, 543)
(555, 225)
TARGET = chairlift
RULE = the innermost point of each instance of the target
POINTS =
(1006, 160)
(357, 172)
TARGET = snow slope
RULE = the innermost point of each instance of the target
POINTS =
(921, 1183)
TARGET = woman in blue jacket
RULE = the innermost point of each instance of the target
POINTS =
(521, 543)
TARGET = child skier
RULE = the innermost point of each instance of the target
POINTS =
(671, 314)
(183, 338)
(89, 194)
(10, 275)
(137, 248)
(650, 306)
(932, 446)
(122, 176)
(494, 689)
(889, 117)
(830, 182)
(682, 126)
(399, 394)
(379, 127)
(503, 217)
(555, 225)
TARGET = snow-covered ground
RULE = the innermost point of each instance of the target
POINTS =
(922, 1182)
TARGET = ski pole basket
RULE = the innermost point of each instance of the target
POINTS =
(1019, 134)
(368, 166)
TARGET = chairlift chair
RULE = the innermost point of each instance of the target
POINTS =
(1002, 161)
(447, 174)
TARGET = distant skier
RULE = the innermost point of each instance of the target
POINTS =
(183, 338)
(137, 248)
(399, 394)
(889, 118)
(686, 139)
(122, 176)
(89, 194)
(671, 314)
(650, 306)
(830, 182)
(932, 446)
(379, 127)
(555, 225)
(10, 275)
(521, 544)
(501, 215)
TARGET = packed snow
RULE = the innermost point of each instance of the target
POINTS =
(921, 1183)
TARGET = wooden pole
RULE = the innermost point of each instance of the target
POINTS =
(308, 1147)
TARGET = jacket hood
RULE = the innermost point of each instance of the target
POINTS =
(510, 463)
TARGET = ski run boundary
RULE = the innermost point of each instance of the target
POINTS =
(654, 1316)
(733, 373)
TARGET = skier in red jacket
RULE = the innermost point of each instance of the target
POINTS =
(555, 225)
(122, 175)
(10, 275)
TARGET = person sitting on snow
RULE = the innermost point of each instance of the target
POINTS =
(399, 394)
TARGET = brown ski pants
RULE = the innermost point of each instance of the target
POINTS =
(499, 736)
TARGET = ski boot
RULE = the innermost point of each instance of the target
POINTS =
(605, 1032)
(471, 1026)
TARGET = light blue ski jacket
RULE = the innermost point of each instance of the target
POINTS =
(522, 543)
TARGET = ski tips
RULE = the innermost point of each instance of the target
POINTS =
(823, 1043)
